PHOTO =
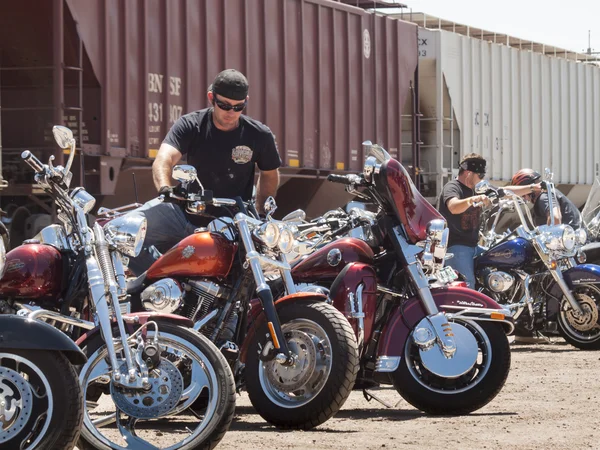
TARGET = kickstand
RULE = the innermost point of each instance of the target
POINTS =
(370, 396)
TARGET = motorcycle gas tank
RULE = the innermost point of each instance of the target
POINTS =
(510, 254)
(33, 271)
(203, 254)
(327, 262)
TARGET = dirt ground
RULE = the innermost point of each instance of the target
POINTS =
(550, 400)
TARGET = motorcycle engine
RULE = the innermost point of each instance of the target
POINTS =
(201, 299)
(497, 281)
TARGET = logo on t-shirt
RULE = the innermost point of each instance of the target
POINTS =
(241, 154)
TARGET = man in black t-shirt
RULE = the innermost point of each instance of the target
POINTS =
(224, 146)
(459, 206)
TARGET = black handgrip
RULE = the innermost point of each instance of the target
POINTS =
(343, 179)
(33, 162)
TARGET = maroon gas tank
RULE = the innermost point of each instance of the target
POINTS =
(327, 262)
(202, 254)
(33, 271)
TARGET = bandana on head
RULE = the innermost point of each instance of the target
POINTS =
(474, 165)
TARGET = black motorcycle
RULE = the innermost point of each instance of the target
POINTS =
(41, 404)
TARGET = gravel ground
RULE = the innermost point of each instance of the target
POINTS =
(549, 401)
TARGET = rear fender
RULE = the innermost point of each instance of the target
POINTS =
(455, 301)
(575, 276)
(21, 333)
(140, 318)
(256, 319)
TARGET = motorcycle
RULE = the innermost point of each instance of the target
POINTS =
(538, 273)
(149, 365)
(442, 346)
(297, 356)
(41, 404)
(591, 221)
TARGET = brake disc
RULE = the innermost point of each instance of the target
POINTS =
(588, 319)
(166, 386)
(294, 377)
(16, 403)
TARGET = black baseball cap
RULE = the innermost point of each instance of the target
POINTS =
(230, 84)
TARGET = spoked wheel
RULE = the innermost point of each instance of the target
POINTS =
(581, 330)
(40, 400)
(190, 366)
(316, 386)
(461, 394)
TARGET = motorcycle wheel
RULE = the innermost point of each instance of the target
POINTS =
(204, 372)
(41, 404)
(467, 393)
(582, 332)
(315, 388)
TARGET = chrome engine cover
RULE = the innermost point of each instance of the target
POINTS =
(164, 296)
(499, 281)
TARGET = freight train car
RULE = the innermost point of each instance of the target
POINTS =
(518, 103)
(324, 76)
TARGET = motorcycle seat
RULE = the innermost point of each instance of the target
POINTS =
(136, 286)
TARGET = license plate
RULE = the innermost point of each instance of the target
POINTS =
(447, 274)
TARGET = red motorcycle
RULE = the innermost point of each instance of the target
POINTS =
(297, 357)
(442, 346)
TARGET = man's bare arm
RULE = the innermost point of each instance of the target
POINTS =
(268, 182)
(162, 167)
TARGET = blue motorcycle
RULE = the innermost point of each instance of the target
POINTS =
(538, 273)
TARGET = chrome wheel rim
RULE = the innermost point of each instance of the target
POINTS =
(454, 385)
(298, 385)
(201, 378)
(24, 390)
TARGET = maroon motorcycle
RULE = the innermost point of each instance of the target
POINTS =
(441, 345)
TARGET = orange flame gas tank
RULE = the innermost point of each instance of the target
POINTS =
(203, 254)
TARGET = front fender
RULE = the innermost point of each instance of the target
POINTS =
(141, 318)
(256, 319)
(458, 301)
(21, 333)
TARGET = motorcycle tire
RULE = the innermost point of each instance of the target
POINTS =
(50, 380)
(224, 411)
(435, 395)
(581, 332)
(313, 330)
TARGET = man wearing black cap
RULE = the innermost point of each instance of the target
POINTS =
(458, 204)
(224, 146)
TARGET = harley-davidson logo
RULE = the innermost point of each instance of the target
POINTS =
(334, 257)
(15, 265)
(463, 303)
(188, 251)
(241, 154)
(508, 253)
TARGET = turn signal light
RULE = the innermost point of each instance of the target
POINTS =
(553, 264)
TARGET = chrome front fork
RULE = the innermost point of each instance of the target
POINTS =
(438, 322)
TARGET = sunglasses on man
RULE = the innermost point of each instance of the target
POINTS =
(226, 106)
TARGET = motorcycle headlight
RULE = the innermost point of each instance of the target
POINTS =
(269, 234)
(569, 238)
(286, 240)
(581, 236)
(126, 233)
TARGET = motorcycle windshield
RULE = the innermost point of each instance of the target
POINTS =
(396, 185)
(592, 204)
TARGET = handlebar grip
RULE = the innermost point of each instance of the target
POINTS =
(477, 204)
(343, 179)
(33, 162)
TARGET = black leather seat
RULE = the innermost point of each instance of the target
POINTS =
(136, 286)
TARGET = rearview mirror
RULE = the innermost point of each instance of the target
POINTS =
(63, 136)
(184, 173)
(295, 216)
(482, 187)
